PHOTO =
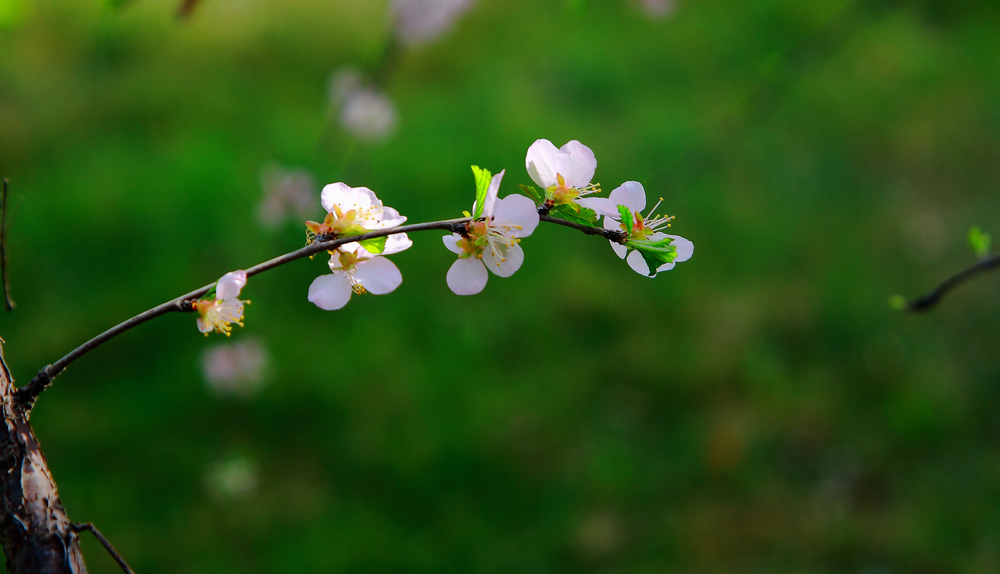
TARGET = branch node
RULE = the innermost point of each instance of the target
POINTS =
(27, 394)
(89, 526)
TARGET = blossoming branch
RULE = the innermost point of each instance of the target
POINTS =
(359, 232)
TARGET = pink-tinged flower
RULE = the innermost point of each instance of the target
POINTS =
(658, 8)
(643, 232)
(352, 211)
(287, 192)
(491, 242)
(235, 369)
(369, 115)
(564, 174)
(420, 21)
(218, 312)
(361, 108)
(354, 269)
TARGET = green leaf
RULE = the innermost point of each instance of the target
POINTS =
(532, 193)
(576, 214)
(374, 245)
(482, 186)
(654, 253)
(626, 216)
(979, 241)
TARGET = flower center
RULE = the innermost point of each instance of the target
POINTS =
(643, 227)
(482, 234)
(562, 193)
(338, 224)
(348, 264)
(217, 314)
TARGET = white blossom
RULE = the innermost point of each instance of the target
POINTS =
(352, 211)
(632, 195)
(353, 269)
(369, 115)
(287, 193)
(564, 174)
(421, 21)
(491, 242)
(235, 369)
(217, 313)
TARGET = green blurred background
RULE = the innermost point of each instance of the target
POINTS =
(758, 409)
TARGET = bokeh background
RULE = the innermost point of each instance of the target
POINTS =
(760, 408)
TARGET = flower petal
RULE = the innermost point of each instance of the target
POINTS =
(602, 205)
(230, 285)
(491, 194)
(631, 195)
(378, 275)
(620, 250)
(541, 163)
(203, 326)
(396, 243)
(506, 262)
(451, 242)
(519, 212)
(388, 217)
(638, 264)
(330, 292)
(467, 276)
(582, 164)
(348, 198)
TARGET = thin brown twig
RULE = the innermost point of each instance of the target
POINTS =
(7, 300)
(933, 297)
(609, 234)
(89, 526)
(41, 381)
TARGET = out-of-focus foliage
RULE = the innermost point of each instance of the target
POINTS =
(757, 409)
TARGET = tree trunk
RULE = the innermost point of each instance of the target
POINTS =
(35, 533)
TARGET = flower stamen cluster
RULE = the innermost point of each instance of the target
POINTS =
(219, 311)
(350, 211)
(645, 226)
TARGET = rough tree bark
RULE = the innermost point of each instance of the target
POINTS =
(35, 533)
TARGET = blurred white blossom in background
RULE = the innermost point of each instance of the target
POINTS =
(342, 82)
(231, 478)
(658, 8)
(236, 369)
(289, 193)
(421, 21)
(363, 110)
(369, 114)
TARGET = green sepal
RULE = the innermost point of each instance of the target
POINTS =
(654, 253)
(979, 241)
(532, 193)
(374, 245)
(210, 294)
(482, 186)
(576, 214)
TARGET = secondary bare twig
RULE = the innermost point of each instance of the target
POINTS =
(89, 526)
(610, 234)
(931, 298)
(8, 302)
